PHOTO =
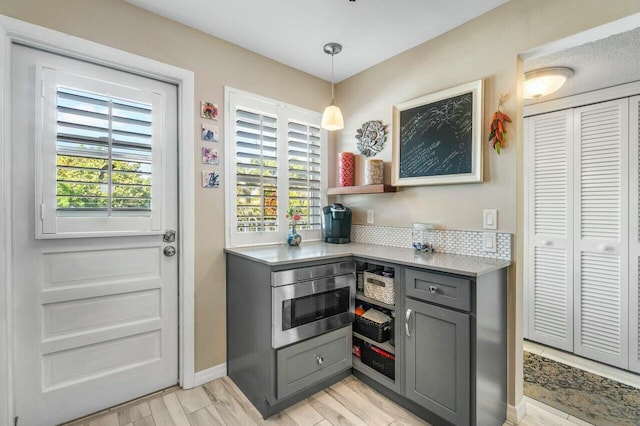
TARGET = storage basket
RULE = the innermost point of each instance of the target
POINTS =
(379, 288)
(380, 332)
(381, 361)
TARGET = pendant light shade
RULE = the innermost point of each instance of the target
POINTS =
(545, 81)
(332, 116)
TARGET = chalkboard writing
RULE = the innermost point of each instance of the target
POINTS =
(436, 138)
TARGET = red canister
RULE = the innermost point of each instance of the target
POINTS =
(347, 169)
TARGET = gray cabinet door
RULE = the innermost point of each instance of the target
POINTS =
(438, 360)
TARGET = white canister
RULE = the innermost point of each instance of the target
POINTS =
(373, 172)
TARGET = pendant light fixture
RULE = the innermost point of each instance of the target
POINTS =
(543, 82)
(332, 116)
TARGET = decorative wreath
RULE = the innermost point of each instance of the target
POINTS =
(371, 137)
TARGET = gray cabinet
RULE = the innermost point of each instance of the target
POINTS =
(438, 355)
(302, 365)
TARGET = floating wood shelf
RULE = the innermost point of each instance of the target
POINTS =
(362, 189)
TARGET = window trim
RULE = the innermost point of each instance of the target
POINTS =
(284, 112)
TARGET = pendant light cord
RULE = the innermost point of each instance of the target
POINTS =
(332, 97)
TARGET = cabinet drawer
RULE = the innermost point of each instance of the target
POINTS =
(441, 289)
(306, 363)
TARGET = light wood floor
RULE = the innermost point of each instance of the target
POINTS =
(349, 402)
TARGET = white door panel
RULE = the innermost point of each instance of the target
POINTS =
(549, 230)
(601, 237)
(634, 235)
(96, 318)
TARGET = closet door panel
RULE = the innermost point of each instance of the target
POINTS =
(549, 229)
(634, 235)
(600, 232)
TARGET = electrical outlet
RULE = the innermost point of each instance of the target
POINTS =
(370, 217)
(489, 242)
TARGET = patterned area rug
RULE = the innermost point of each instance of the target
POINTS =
(585, 395)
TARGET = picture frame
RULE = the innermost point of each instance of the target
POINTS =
(437, 138)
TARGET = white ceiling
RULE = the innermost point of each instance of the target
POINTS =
(598, 64)
(293, 32)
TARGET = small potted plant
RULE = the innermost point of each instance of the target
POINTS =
(293, 214)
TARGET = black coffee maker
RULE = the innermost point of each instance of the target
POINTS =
(336, 224)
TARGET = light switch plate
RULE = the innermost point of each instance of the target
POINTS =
(489, 242)
(490, 219)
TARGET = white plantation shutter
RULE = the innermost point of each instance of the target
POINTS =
(276, 162)
(256, 171)
(304, 172)
(601, 144)
(549, 230)
(99, 152)
(634, 234)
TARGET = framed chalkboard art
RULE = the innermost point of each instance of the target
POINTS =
(437, 138)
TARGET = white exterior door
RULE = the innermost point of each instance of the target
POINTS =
(634, 234)
(601, 232)
(549, 221)
(94, 176)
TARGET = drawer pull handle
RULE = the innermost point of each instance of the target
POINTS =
(433, 289)
(319, 359)
(406, 322)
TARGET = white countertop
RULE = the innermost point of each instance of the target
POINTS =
(282, 254)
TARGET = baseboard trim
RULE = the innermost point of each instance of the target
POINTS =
(205, 376)
(515, 413)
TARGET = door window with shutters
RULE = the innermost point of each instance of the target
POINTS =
(275, 160)
(100, 153)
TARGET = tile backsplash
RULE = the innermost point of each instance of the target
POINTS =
(443, 240)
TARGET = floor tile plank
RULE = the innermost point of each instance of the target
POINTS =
(135, 412)
(167, 411)
(304, 414)
(226, 405)
(204, 417)
(246, 405)
(107, 420)
(193, 399)
(333, 411)
(377, 399)
(359, 405)
(145, 421)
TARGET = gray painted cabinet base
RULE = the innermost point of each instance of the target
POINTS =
(438, 357)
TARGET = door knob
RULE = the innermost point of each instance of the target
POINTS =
(169, 236)
(169, 251)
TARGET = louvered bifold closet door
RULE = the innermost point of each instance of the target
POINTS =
(634, 235)
(549, 229)
(601, 232)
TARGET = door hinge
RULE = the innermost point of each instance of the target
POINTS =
(15, 421)
(41, 211)
(42, 88)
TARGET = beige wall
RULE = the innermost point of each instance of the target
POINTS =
(485, 48)
(215, 64)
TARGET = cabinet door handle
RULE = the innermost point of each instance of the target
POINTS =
(319, 359)
(406, 322)
(433, 289)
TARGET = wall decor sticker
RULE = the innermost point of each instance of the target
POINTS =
(209, 110)
(210, 179)
(210, 132)
(210, 156)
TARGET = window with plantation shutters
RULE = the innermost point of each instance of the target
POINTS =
(275, 161)
(304, 171)
(100, 152)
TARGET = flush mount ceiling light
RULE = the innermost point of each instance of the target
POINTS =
(543, 82)
(332, 116)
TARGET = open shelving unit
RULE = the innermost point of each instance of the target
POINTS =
(386, 346)
(361, 189)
